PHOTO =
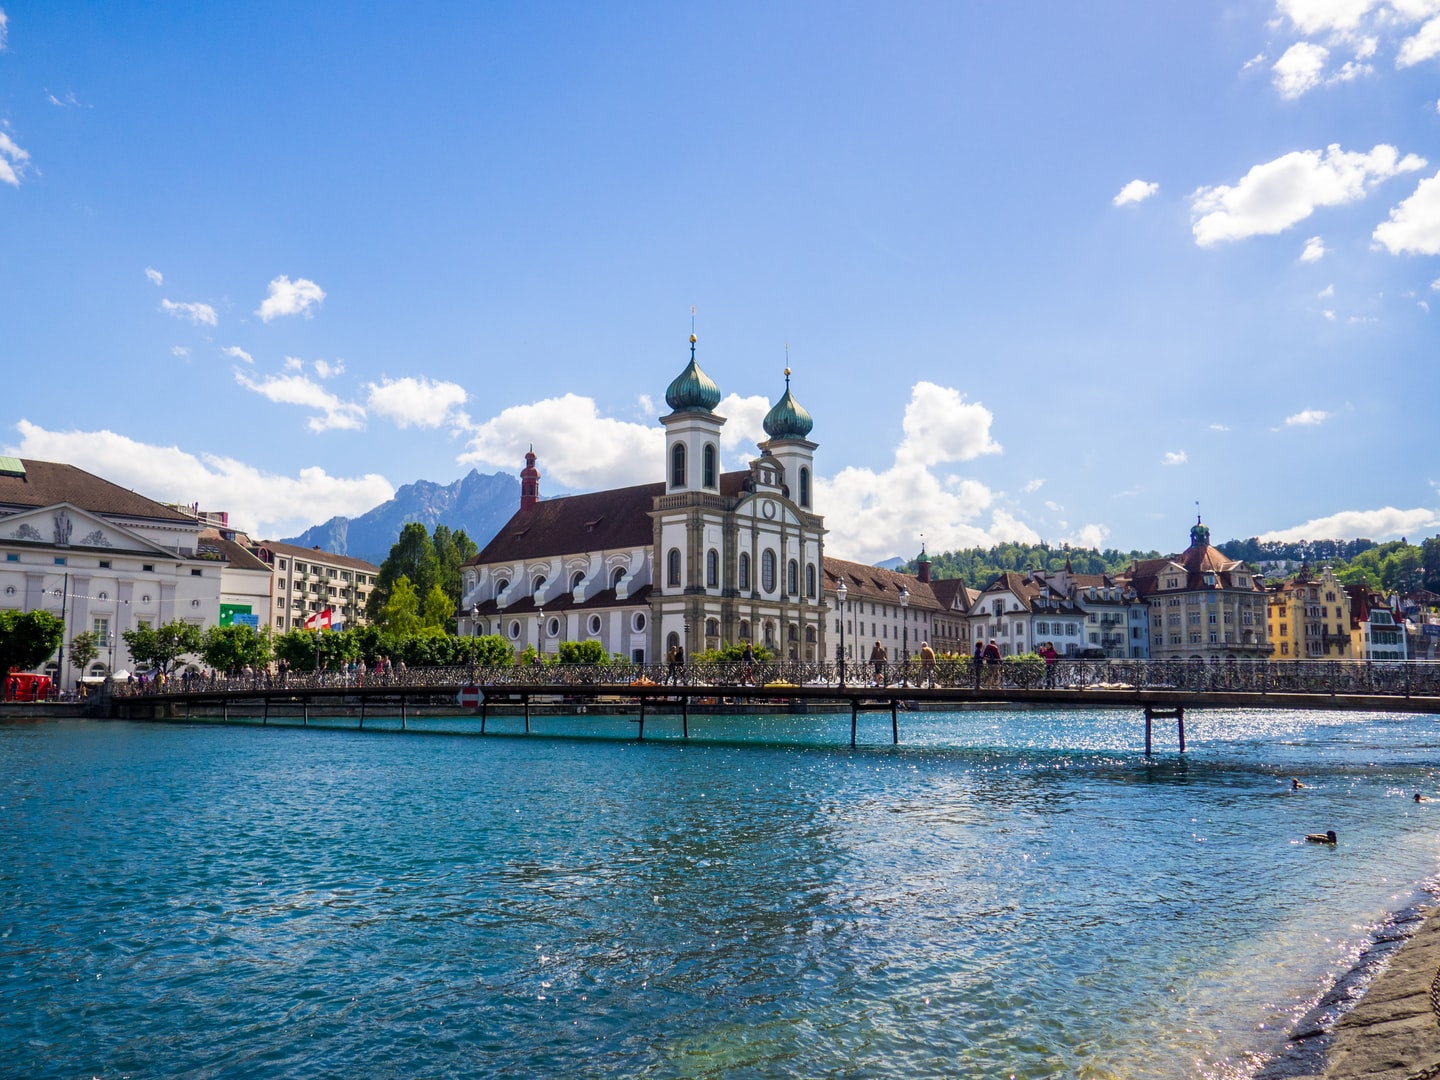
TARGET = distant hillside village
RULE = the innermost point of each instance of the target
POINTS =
(701, 560)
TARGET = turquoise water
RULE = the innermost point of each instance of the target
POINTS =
(1009, 893)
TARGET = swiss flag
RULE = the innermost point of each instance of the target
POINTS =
(321, 620)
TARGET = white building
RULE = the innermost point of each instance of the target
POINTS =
(701, 559)
(100, 557)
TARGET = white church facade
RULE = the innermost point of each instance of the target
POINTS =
(700, 559)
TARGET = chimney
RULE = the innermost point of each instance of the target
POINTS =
(529, 482)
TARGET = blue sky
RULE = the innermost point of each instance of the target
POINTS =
(1045, 271)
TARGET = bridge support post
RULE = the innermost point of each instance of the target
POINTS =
(362, 711)
(1149, 719)
(526, 699)
(402, 712)
(895, 721)
(642, 719)
(484, 713)
(1180, 726)
(305, 712)
(225, 709)
(265, 713)
(685, 716)
(854, 717)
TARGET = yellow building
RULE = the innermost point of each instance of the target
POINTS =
(1309, 618)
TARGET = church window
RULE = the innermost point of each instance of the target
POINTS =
(677, 466)
(744, 570)
(805, 487)
(745, 630)
(710, 469)
(767, 571)
(712, 569)
(792, 578)
(537, 584)
(810, 580)
(672, 567)
(595, 624)
(616, 576)
(501, 586)
(712, 628)
(576, 579)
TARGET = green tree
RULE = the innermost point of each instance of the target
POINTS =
(84, 647)
(452, 549)
(1430, 563)
(27, 638)
(401, 613)
(412, 556)
(230, 648)
(162, 646)
(439, 609)
(583, 652)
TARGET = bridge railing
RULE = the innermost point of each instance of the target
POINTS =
(1334, 677)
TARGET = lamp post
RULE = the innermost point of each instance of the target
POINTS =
(474, 628)
(905, 646)
(540, 631)
(841, 594)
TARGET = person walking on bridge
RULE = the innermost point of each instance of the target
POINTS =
(878, 659)
(992, 665)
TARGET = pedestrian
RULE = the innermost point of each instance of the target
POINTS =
(979, 661)
(1050, 655)
(992, 665)
(747, 661)
(878, 659)
(927, 664)
(677, 660)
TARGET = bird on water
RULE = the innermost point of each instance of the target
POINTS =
(1322, 837)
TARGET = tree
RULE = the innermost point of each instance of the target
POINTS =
(27, 638)
(451, 551)
(583, 652)
(401, 613)
(411, 557)
(439, 609)
(162, 646)
(84, 647)
(230, 648)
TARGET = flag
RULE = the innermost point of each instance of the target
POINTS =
(321, 620)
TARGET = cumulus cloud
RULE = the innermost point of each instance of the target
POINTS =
(415, 402)
(1386, 523)
(1308, 418)
(263, 504)
(744, 424)
(1089, 536)
(1421, 46)
(1032, 486)
(1134, 192)
(1316, 16)
(1314, 250)
(4, 28)
(237, 353)
(333, 414)
(289, 298)
(1300, 68)
(326, 370)
(1414, 225)
(13, 161)
(181, 351)
(1175, 457)
(1275, 195)
(155, 276)
(199, 314)
(1327, 292)
(941, 426)
(578, 448)
(1328, 315)
(1219, 427)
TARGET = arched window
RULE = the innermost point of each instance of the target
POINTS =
(810, 580)
(744, 571)
(537, 584)
(792, 578)
(712, 628)
(767, 571)
(671, 642)
(575, 579)
(616, 576)
(710, 466)
(677, 465)
(672, 567)
(744, 629)
(712, 569)
(501, 586)
(792, 633)
(769, 634)
(805, 487)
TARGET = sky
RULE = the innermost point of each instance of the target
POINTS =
(1043, 272)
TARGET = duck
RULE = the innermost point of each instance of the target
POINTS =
(1322, 837)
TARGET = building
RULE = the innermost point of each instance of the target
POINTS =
(1081, 615)
(246, 582)
(700, 559)
(101, 558)
(1309, 618)
(1203, 604)
(898, 611)
(1376, 633)
(307, 582)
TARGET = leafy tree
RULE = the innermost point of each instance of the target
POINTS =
(230, 648)
(438, 611)
(162, 646)
(452, 549)
(27, 638)
(732, 654)
(401, 612)
(1430, 563)
(582, 652)
(412, 556)
(84, 647)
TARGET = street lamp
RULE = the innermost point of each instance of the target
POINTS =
(905, 647)
(841, 594)
(474, 629)
(540, 630)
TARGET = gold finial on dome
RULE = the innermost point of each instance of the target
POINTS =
(693, 339)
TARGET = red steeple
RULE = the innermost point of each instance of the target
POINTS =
(529, 482)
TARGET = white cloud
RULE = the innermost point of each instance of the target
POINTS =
(1327, 292)
(327, 370)
(1308, 418)
(13, 161)
(1314, 16)
(1328, 315)
(1435, 285)
(293, 363)
(237, 353)
(1276, 194)
(180, 351)
(289, 298)
(265, 504)
(4, 28)
(744, 423)
(415, 402)
(578, 448)
(1054, 507)
(1300, 68)
(1314, 250)
(1414, 225)
(1135, 191)
(300, 390)
(199, 314)
(940, 426)
(1032, 486)
(1254, 62)
(154, 275)
(1219, 427)
(1175, 457)
(1089, 536)
(1383, 524)
(1421, 46)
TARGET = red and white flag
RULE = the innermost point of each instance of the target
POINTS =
(321, 620)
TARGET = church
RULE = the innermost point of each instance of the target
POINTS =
(700, 558)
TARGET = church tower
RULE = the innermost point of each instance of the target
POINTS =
(692, 431)
(788, 424)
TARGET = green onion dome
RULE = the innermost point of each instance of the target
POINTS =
(692, 390)
(788, 419)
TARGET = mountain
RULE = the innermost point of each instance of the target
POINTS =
(893, 563)
(478, 503)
